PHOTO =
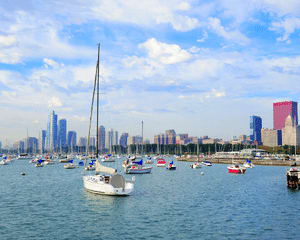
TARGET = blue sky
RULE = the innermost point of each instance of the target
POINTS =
(201, 67)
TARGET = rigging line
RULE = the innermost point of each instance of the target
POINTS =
(91, 114)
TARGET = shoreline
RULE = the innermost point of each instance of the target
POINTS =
(271, 162)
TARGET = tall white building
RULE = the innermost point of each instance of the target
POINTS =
(290, 132)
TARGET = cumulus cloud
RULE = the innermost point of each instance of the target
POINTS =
(287, 27)
(163, 52)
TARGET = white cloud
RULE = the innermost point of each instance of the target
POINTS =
(204, 37)
(6, 41)
(54, 102)
(50, 62)
(164, 53)
(183, 6)
(234, 35)
(287, 27)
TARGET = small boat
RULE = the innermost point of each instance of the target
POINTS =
(49, 162)
(137, 168)
(3, 162)
(70, 165)
(248, 164)
(91, 166)
(149, 160)
(161, 162)
(195, 165)
(236, 169)
(207, 163)
(293, 178)
(108, 158)
(39, 164)
(171, 166)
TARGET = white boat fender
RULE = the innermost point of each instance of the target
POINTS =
(133, 178)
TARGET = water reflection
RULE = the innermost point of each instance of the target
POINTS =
(98, 203)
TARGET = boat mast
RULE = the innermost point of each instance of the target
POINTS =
(96, 83)
(98, 64)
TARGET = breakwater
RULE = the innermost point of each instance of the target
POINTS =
(266, 162)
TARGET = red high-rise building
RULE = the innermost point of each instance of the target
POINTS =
(280, 112)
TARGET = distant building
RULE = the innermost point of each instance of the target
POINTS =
(255, 129)
(123, 139)
(209, 141)
(116, 138)
(160, 139)
(109, 139)
(135, 140)
(53, 131)
(43, 141)
(31, 145)
(82, 142)
(290, 132)
(72, 139)
(20, 146)
(281, 110)
(62, 133)
(170, 136)
(271, 137)
(0, 146)
(101, 138)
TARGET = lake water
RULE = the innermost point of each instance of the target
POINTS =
(50, 203)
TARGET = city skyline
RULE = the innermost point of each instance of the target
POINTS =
(193, 66)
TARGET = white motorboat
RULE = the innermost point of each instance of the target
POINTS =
(196, 165)
(206, 163)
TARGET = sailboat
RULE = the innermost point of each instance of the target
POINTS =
(106, 180)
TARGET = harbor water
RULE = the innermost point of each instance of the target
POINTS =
(50, 203)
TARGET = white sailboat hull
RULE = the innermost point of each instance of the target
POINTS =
(95, 185)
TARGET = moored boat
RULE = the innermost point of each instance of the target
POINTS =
(196, 165)
(171, 166)
(137, 168)
(206, 163)
(236, 169)
(161, 162)
(293, 178)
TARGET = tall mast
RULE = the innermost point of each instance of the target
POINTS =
(98, 68)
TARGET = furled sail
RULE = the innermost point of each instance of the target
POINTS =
(104, 169)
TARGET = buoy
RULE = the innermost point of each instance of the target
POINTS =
(22, 173)
(202, 173)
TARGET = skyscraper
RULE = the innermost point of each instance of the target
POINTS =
(51, 140)
(123, 139)
(72, 139)
(43, 141)
(281, 110)
(255, 129)
(62, 133)
(116, 138)
(101, 138)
